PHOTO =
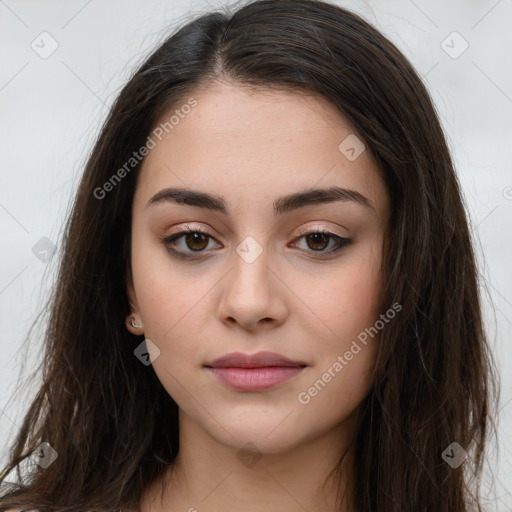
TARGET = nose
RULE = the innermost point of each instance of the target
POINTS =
(253, 295)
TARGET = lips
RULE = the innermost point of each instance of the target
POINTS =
(254, 372)
(259, 360)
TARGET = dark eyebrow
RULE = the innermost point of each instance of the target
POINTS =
(282, 205)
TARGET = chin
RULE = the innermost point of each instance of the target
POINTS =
(266, 436)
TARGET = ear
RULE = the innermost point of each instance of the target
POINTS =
(133, 321)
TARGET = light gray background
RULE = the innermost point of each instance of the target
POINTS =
(51, 110)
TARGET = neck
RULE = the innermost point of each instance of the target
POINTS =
(208, 476)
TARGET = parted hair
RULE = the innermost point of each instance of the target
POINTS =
(108, 417)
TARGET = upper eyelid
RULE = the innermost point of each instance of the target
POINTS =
(183, 230)
(319, 229)
(303, 230)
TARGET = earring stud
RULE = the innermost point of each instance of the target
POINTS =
(136, 325)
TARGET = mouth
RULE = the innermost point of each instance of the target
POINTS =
(254, 372)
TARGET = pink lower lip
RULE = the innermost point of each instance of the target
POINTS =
(255, 379)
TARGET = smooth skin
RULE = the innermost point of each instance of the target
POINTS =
(252, 147)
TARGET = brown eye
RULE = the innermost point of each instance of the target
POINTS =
(187, 242)
(317, 241)
(196, 241)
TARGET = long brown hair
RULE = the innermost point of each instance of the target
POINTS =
(434, 381)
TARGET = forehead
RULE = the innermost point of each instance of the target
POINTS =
(254, 144)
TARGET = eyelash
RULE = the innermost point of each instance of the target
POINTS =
(166, 241)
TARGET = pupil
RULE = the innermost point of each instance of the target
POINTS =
(317, 236)
(190, 238)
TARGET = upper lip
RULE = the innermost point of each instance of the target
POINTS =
(259, 360)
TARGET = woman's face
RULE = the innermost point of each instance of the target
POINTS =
(255, 283)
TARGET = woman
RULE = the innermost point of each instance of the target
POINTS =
(268, 295)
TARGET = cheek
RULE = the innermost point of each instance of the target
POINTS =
(353, 301)
(173, 302)
(345, 359)
(349, 300)
(166, 291)
(333, 395)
